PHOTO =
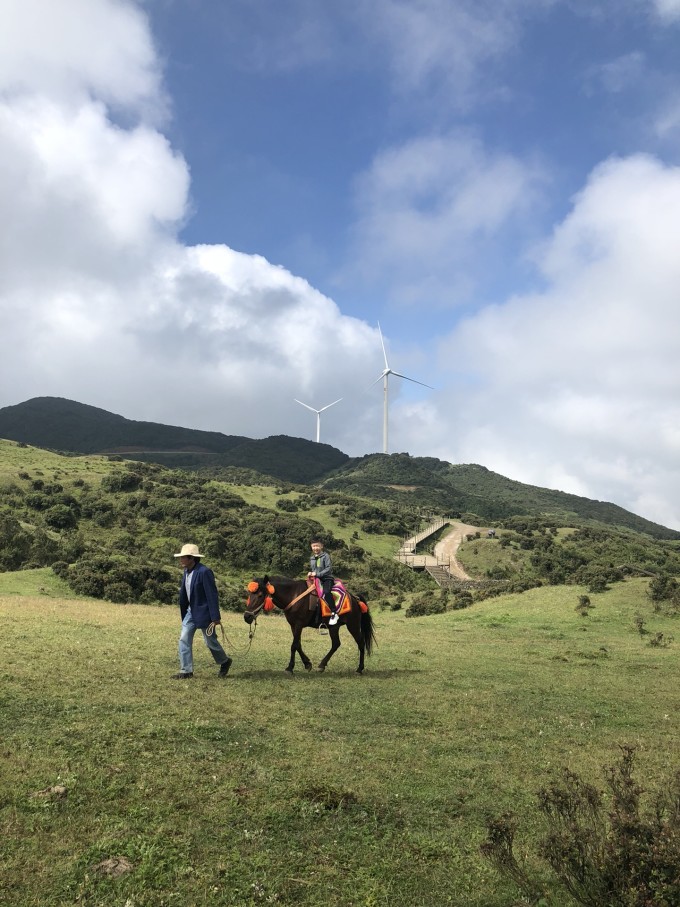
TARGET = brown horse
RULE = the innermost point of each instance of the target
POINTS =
(293, 598)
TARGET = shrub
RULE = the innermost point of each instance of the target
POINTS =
(60, 517)
(598, 583)
(616, 855)
(662, 587)
(15, 544)
(462, 599)
(121, 481)
(60, 569)
(121, 593)
(425, 604)
(85, 582)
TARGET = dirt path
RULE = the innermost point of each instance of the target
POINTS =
(449, 545)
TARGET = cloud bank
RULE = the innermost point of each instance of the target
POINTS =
(573, 386)
(100, 300)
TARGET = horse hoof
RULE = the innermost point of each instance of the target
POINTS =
(321, 669)
(360, 670)
(289, 671)
(308, 667)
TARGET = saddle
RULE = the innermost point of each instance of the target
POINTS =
(343, 600)
(343, 603)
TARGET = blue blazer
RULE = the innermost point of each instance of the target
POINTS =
(202, 599)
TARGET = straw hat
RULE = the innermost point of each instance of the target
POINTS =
(189, 551)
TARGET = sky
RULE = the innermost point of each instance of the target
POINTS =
(210, 205)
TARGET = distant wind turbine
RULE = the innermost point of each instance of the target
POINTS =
(318, 414)
(385, 374)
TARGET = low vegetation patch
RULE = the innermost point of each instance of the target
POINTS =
(602, 851)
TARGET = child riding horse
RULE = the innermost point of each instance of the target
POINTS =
(292, 597)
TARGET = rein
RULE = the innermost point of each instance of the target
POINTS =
(298, 597)
(240, 650)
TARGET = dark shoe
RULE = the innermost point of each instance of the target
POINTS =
(224, 667)
(183, 676)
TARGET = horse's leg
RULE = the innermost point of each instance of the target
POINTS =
(305, 660)
(296, 630)
(334, 633)
(296, 647)
(354, 627)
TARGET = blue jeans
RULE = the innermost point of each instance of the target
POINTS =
(186, 641)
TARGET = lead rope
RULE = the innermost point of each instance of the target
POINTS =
(230, 645)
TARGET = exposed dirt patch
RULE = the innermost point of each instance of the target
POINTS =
(114, 867)
(447, 547)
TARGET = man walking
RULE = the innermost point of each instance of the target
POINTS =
(200, 610)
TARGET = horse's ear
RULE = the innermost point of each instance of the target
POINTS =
(253, 586)
(270, 589)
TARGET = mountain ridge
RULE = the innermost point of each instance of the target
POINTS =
(454, 489)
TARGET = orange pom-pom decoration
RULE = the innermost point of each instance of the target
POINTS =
(253, 587)
(268, 604)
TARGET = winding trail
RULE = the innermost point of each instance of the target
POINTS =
(446, 548)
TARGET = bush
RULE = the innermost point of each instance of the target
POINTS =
(424, 605)
(121, 593)
(121, 481)
(60, 569)
(60, 517)
(598, 583)
(85, 582)
(15, 544)
(615, 854)
(462, 600)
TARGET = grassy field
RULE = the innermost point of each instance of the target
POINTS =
(16, 458)
(314, 790)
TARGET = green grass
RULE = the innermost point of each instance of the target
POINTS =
(484, 554)
(17, 458)
(41, 581)
(318, 789)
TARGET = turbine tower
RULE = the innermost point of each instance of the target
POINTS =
(318, 413)
(385, 374)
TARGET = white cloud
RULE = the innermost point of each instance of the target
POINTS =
(68, 48)
(429, 210)
(617, 75)
(668, 10)
(438, 41)
(580, 384)
(100, 301)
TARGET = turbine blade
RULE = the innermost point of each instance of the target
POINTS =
(383, 348)
(310, 408)
(328, 405)
(406, 378)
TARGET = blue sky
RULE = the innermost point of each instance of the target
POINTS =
(214, 202)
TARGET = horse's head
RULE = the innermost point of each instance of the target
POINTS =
(260, 593)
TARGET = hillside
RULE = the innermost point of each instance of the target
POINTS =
(65, 425)
(422, 484)
(470, 490)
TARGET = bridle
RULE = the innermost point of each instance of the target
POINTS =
(268, 602)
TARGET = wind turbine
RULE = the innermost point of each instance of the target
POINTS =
(385, 374)
(318, 413)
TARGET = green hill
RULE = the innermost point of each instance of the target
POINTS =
(473, 491)
(58, 424)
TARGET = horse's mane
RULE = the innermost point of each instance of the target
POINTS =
(283, 581)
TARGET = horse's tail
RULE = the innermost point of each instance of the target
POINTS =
(368, 631)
